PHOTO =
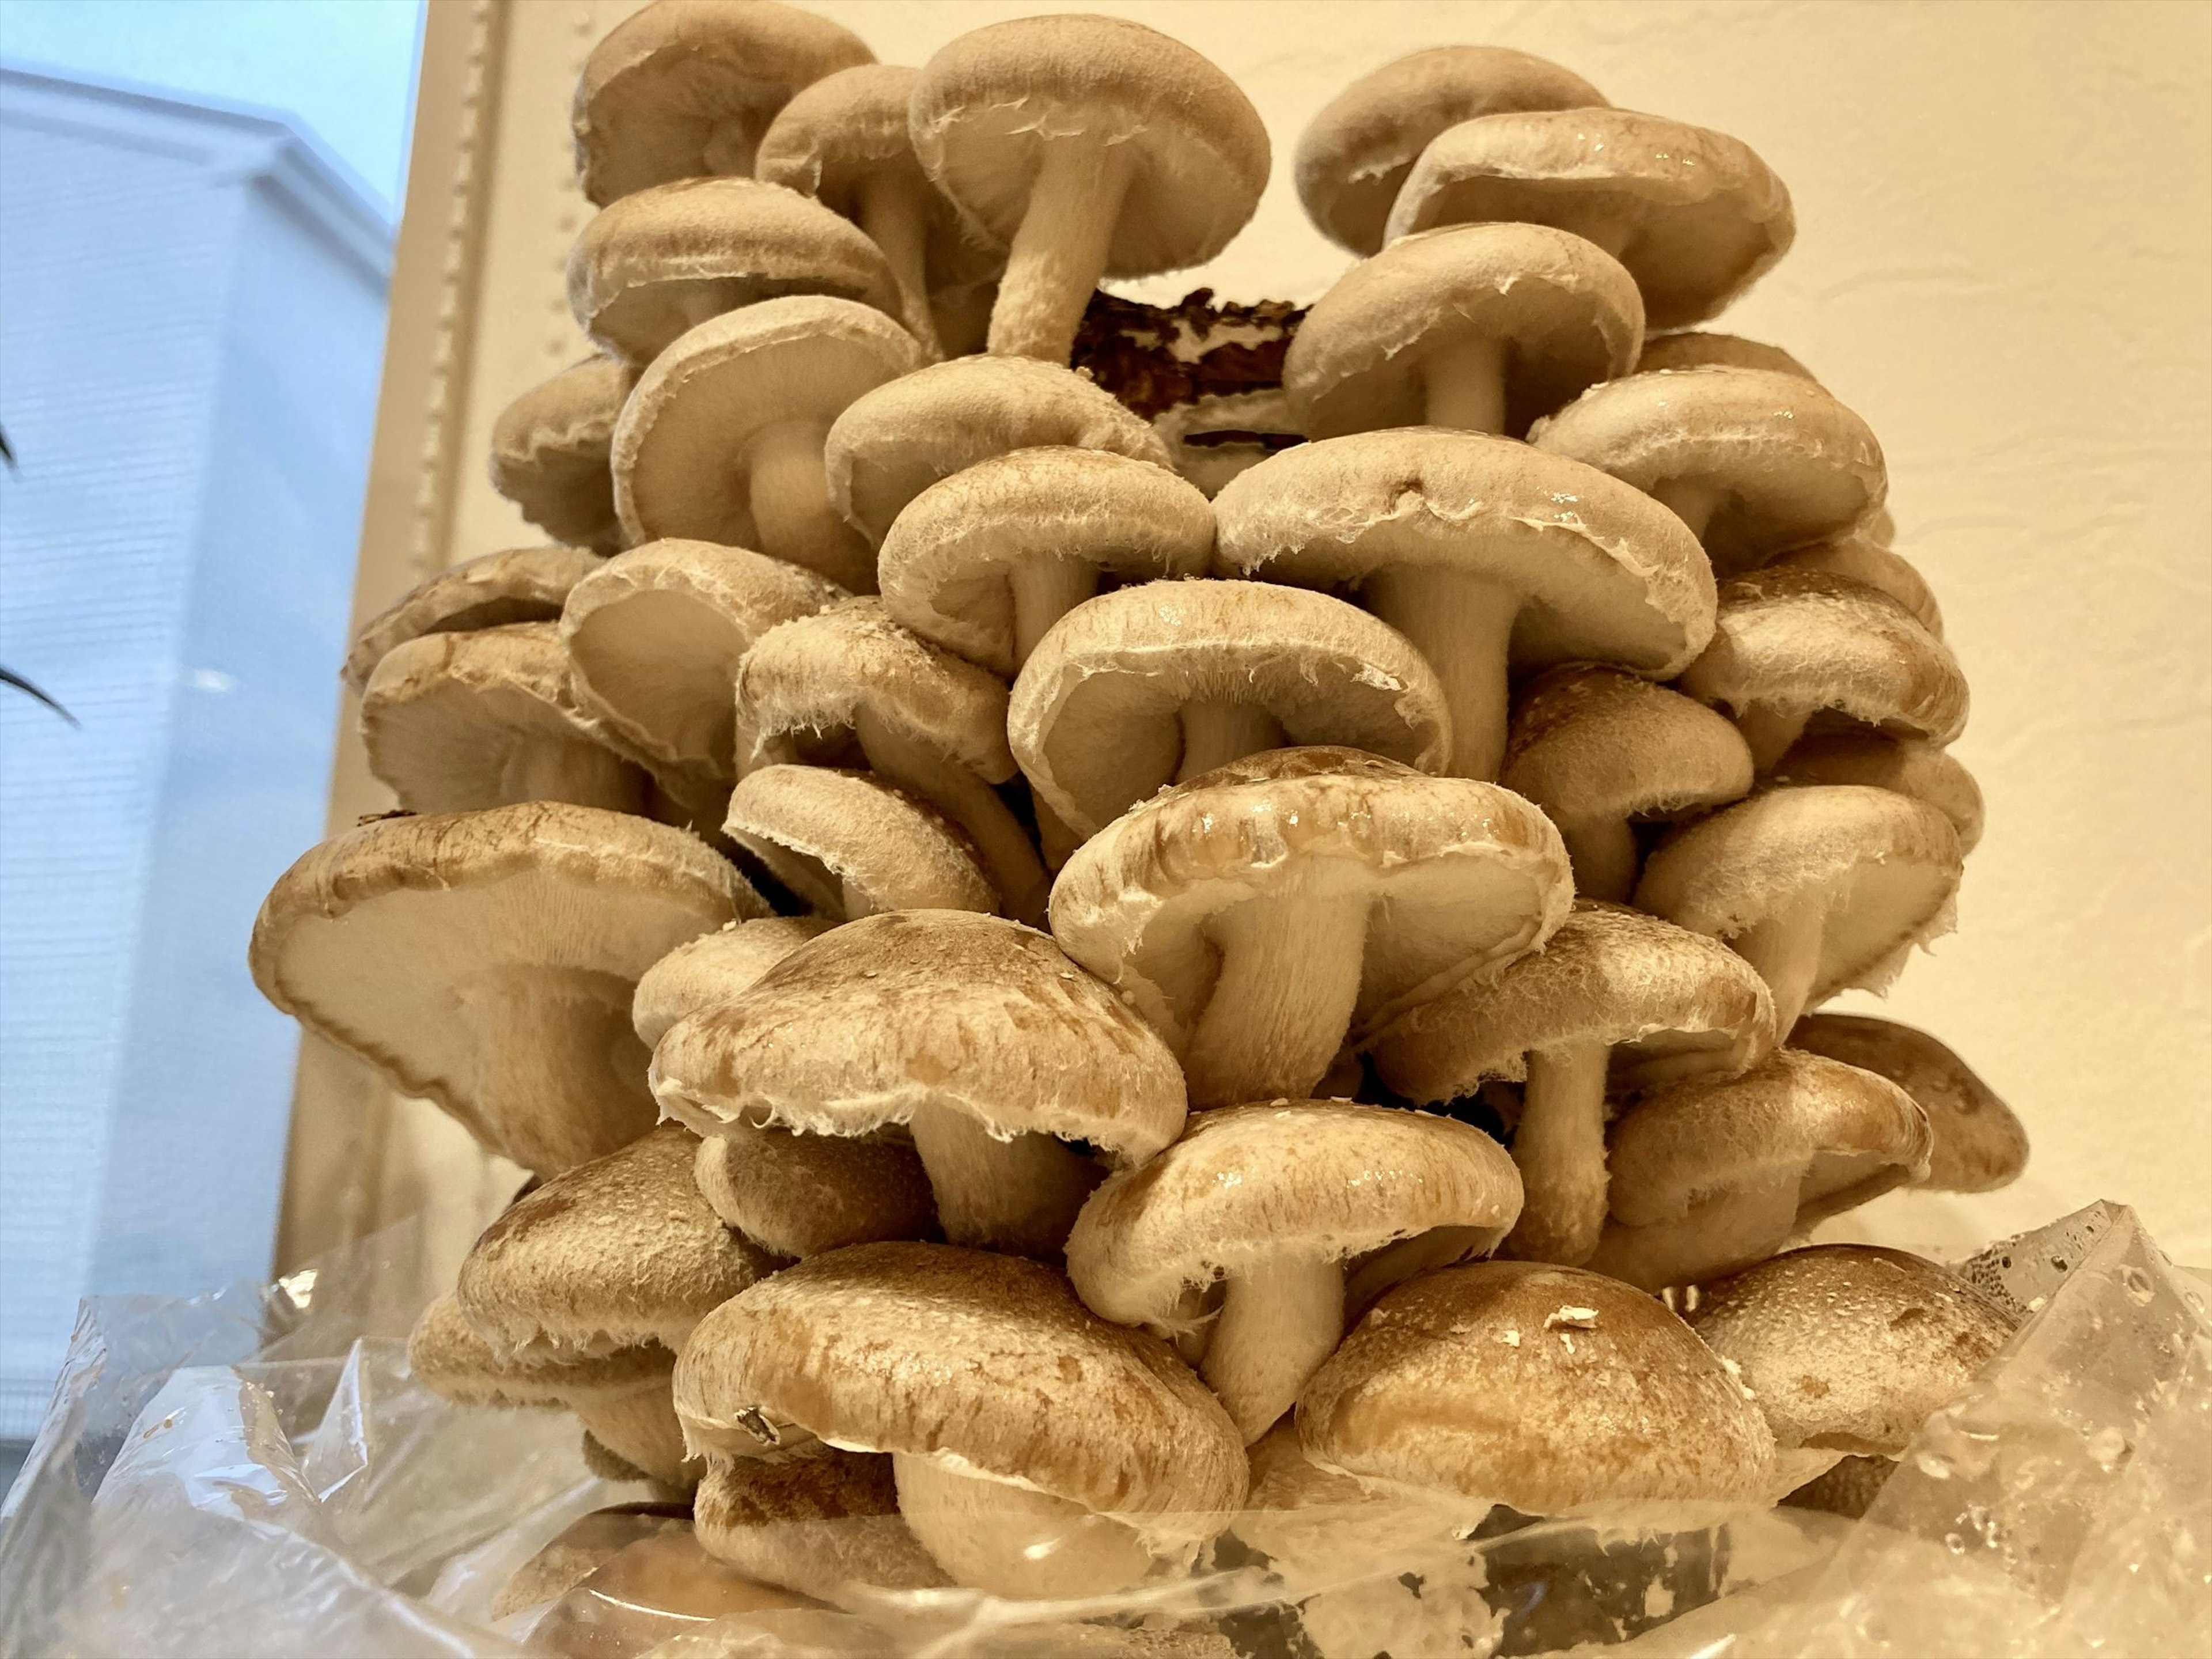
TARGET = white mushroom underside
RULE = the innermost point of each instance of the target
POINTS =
(1013, 1541)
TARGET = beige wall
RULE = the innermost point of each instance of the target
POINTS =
(2005, 221)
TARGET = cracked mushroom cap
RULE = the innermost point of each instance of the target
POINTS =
(1797, 644)
(1353, 157)
(1979, 1144)
(956, 1354)
(1589, 742)
(1822, 1136)
(897, 440)
(1315, 1180)
(1461, 876)
(1781, 462)
(799, 1196)
(848, 845)
(817, 1522)
(655, 263)
(1858, 558)
(1548, 1389)
(950, 558)
(714, 967)
(684, 89)
(485, 961)
(454, 722)
(1882, 867)
(1669, 1002)
(549, 453)
(1849, 1349)
(449, 1357)
(1561, 314)
(520, 585)
(853, 1031)
(1702, 349)
(1096, 716)
(656, 636)
(1695, 215)
(1906, 766)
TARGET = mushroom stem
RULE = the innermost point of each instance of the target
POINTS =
(1278, 1320)
(791, 508)
(1009, 860)
(1013, 1541)
(1283, 1000)
(1463, 625)
(639, 1427)
(1717, 1236)
(1785, 949)
(1217, 732)
(1559, 1149)
(894, 211)
(545, 1040)
(1463, 385)
(1769, 732)
(1060, 251)
(1691, 500)
(1604, 855)
(1045, 590)
(1019, 1195)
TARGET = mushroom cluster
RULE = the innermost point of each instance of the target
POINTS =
(1061, 941)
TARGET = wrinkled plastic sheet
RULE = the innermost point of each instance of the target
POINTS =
(254, 1473)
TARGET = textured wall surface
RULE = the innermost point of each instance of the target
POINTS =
(2005, 224)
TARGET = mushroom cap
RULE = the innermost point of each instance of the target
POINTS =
(522, 584)
(1705, 349)
(1805, 643)
(651, 265)
(1312, 1180)
(848, 843)
(799, 1196)
(934, 1350)
(946, 560)
(1590, 742)
(1860, 558)
(1792, 465)
(406, 941)
(1848, 1348)
(1605, 572)
(1215, 438)
(838, 135)
(449, 1357)
(679, 456)
(1885, 868)
(1907, 766)
(656, 636)
(902, 437)
(988, 104)
(549, 453)
(1670, 1003)
(853, 1031)
(1847, 1134)
(612, 1254)
(1544, 1388)
(714, 967)
(1095, 716)
(1462, 877)
(1697, 217)
(456, 721)
(816, 1521)
(1979, 1144)
(684, 88)
(1566, 312)
(817, 674)
(1353, 157)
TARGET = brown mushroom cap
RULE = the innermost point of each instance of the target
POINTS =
(549, 453)
(714, 967)
(1097, 717)
(1979, 1144)
(523, 584)
(1769, 461)
(1907, 766)
(1544, 1388)
(1703, 348)
(485, 961)
(902, 437)
(652, 264)
(1860, 558)
(612, 1254)
(953, 562)
(816, 1522)
(1555, 314)
(1354, 155)
(684, 88)
(1695, 215)
(799, 1196)
(848, 844)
